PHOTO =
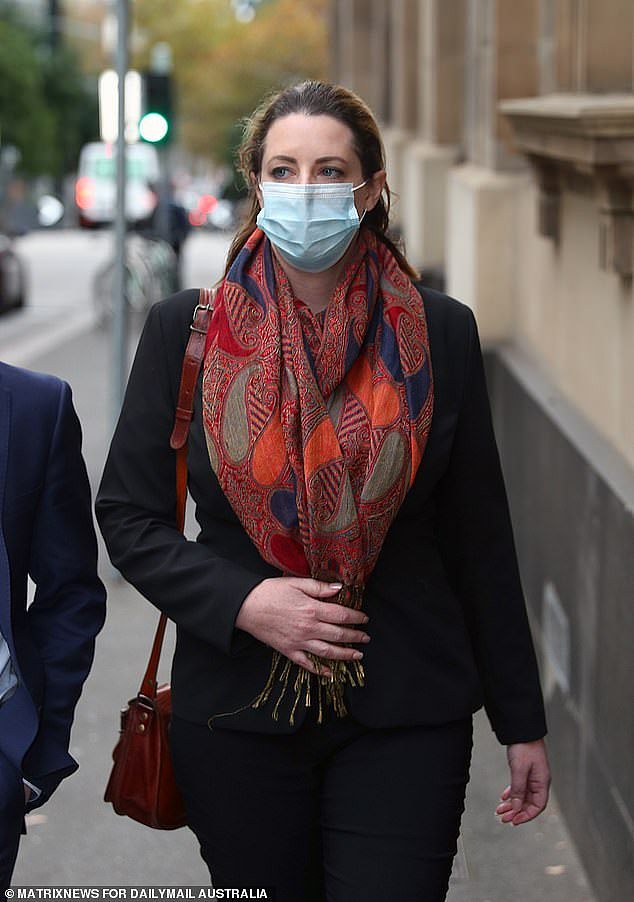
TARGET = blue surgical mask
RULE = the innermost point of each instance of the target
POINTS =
(312, 226)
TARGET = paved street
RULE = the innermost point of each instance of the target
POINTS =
(76, 838)
(60, 266)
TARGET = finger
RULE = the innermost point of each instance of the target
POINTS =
(505, 802)
(337, 652)
(511, 817)
(522, 817)
(315, 587)
(506, 818)
(330, 633)
(503, 807)
(529, 811)
(331, 612)
(304, 661)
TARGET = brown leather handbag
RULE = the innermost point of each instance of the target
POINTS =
(142, 784)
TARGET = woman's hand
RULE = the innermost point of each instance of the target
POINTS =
(527, 795)
(288, 613)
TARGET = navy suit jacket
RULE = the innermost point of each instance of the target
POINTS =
(47, 533)
(448, 620)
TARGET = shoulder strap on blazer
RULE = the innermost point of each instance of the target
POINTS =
(192, 361)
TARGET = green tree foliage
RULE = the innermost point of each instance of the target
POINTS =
(46, 110)
(25, 119)
(223, 68)
(73, 100)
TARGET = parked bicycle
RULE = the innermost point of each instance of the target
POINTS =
(151, 274)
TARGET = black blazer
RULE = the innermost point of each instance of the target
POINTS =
(448, 624)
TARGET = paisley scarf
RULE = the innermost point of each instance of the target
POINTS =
(316, 424)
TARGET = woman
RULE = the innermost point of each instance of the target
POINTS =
(353, 596)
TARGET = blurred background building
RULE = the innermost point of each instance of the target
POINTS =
(509, 131)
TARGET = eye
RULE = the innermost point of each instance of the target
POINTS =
(332, 172)
(280, 172)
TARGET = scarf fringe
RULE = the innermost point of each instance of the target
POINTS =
(332, 686)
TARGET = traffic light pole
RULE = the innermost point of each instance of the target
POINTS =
(119, 301)
(156, 126)
(163, 217)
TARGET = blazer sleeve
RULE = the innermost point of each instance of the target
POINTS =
(136, 509)
(69, 606)
(478, 549)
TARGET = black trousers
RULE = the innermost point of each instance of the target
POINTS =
(12, 807)
(336, 812)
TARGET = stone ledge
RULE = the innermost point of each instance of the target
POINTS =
(591, 134)
(602, 120)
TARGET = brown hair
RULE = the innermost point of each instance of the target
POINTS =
(316, 98)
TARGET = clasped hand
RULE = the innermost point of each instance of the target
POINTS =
(292, 614)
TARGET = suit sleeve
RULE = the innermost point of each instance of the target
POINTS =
(478, 549)
(136, 503)
(69, 605)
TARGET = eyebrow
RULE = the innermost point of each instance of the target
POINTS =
(319, 160)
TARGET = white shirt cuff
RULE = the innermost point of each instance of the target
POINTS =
(35, 792)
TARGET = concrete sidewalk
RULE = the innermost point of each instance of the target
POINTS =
(76, 839)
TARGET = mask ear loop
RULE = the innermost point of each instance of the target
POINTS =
(365, 209)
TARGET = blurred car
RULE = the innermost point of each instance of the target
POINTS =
(222, 216)
(206, 210)
(12, 277)
(198, 197)
(96, 189)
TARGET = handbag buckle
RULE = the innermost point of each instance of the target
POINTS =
(196, 309)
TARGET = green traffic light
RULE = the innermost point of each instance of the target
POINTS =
(153, 127)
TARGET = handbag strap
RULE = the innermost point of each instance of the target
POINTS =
(194, 353)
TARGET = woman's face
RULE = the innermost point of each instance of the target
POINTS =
(305, 149)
